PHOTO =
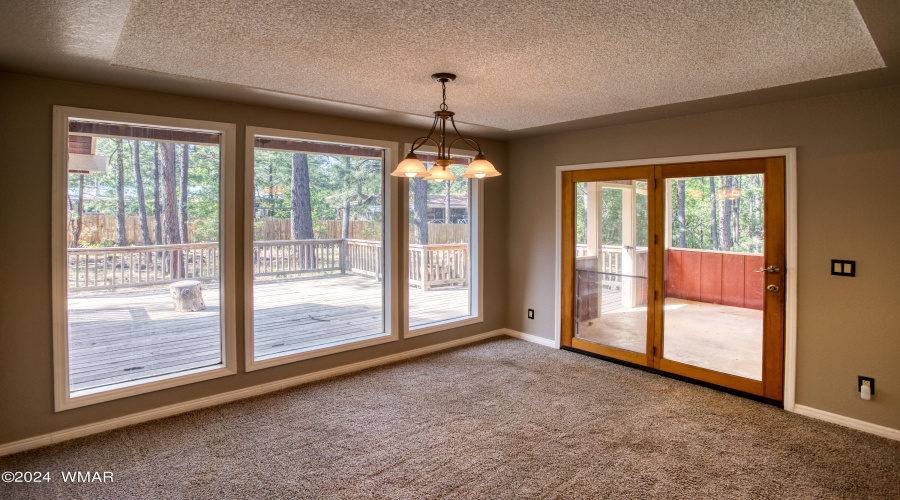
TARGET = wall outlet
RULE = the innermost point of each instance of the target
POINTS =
(869, 381)
(531, 314)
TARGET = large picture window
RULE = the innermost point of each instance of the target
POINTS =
(139, 262)
(319, 262)
(443, 249)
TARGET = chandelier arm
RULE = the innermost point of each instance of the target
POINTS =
(417, 144)
(466, 139)
(412, 149)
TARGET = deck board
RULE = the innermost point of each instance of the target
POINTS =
(119, 336)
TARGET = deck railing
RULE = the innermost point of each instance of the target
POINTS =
(364, 257)
(435, 265)
(611, 257)
(274, 258)
(114, 267)
(111, 267)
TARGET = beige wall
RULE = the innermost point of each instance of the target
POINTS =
(26, 368)
(848, 157)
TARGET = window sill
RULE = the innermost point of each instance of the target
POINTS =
(96, 395)
(443, 325)
(317, 351)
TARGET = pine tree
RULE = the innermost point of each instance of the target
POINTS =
(183, 194)
(139, 184)
(420, 210)
(714, 226)
(169, 205)
(157, 209)
(120, 196)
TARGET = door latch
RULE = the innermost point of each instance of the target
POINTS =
(770, 269)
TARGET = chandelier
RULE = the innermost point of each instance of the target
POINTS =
(413, 167)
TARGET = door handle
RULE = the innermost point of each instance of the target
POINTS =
(770, 269)
(772, 288)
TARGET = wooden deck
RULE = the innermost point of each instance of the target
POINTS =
(121, 336)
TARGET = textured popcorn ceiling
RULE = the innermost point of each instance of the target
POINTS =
(520, 64)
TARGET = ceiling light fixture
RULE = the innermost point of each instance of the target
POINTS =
(413, 167)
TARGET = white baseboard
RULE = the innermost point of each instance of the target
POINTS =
(531, 338)
(227, 397)
(860, 425)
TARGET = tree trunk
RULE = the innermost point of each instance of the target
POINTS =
(759, 208)
(447, 204)
(183, 195)
(187, 296)
(726, 219)
(714, 225)
(156, 206)
(681, 219)
(271, 190)
(301, 206)
(120, 195)
(139, 184)
(736, 219)
(169, 205)
(79, 214)
(345, 218)
(420, 210)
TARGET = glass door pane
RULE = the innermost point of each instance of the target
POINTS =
(611, 263)
(713, 311)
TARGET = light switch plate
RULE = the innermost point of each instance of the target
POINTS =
(843, 268)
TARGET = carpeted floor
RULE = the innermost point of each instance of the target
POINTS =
(498, 419)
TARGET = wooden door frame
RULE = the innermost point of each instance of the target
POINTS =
(790, 288)
(567, 300)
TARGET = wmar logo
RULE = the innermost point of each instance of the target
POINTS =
(87, 477)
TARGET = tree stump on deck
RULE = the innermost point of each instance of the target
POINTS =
(186, 296)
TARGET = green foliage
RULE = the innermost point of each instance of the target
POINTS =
(611, 210)
(334, 182)
(203, 185)
(746, 204)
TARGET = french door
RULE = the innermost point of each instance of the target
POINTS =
(679, 268)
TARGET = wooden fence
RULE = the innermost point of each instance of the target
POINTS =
(280, 230)
(99, 228)
(114, 267)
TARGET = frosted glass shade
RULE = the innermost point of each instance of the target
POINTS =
(439, 173)
(410, 167)
(480, 168)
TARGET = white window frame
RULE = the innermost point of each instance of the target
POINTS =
(476, 255)
(389, 236)
(64, 399)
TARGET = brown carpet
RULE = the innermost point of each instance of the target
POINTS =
(498, 419)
